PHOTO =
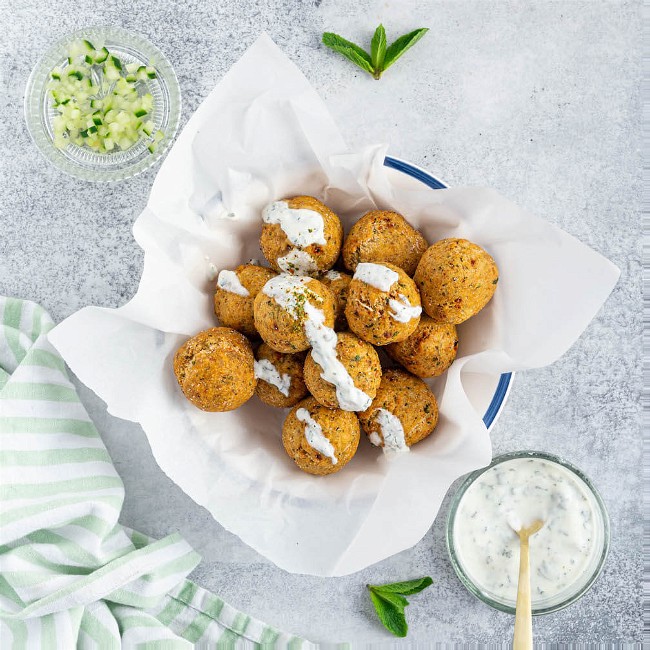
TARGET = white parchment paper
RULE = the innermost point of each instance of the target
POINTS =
(263, 134)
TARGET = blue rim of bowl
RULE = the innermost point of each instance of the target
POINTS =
(505, 380)
(31, 105)
(451, 545)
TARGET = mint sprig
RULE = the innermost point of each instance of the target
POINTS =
(389, 602)
(381, 56)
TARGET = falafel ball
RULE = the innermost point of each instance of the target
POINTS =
(279, 376)
(383, 304)
(403, 412)
(429, 351)
(320, 440)
(281, 311)
(383, 236)
(339, 284)
(235, 293)
(361, 363)
(214, 369)
(300, 235)
(456, 279)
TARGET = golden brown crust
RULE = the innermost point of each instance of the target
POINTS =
(214, 369)
(382, 236)
(339, 287)
(236, 311)
(341, 428)
(361, 361)
(275, 244)
(281, 330)
(285, 364)
(407, 398)
(369, 314)
(456, 279)
(429, 351)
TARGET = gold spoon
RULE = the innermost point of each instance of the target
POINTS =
(523, 639)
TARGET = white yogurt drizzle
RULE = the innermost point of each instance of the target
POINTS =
(402, 310)
(314, 436)
(267, 372)
(286, 291)
(229, 281)
(392, 432)
(333, 275)
(297, 262)
(303, 228)
(376, 275)
(383, 278)
(323, 340)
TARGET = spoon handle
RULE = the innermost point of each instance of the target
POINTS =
(523, 639)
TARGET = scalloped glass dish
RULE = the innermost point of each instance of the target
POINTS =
(83, 162)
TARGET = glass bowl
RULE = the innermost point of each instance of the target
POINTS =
(573, 591)
(83, 162)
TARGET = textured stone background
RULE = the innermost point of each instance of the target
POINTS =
(537, 99)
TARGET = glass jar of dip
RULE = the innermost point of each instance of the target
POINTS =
(566, 555)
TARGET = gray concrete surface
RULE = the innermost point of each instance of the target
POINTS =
(537, 99)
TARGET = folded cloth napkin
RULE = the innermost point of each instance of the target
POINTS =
(70, 575)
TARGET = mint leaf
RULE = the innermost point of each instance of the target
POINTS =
(405, 588)
(380, 57)
(349, 50)
(403, 43)
(389, 602)
(390, 610)
(378, 50)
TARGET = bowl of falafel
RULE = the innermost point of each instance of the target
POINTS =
(304, 330)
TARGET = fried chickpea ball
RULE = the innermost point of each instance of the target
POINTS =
(382, 316)
(339, 284)
(361, 362)
(235, 293)
(215, 369)
(456, 279)
(403, 412)
(280, 311)
(383, 236)
(300, 235)
(320, 440)
(429, 351)
(279, 377)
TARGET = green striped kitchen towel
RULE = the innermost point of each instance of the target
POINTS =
(70, 575)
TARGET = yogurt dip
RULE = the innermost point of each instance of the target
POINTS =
(565, 555)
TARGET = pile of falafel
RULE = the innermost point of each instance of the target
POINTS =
(413, 321)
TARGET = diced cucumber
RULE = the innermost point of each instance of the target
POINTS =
(102, 55)
(112, 73)
(107, 115)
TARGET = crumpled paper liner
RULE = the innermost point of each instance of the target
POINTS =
(262, 134)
